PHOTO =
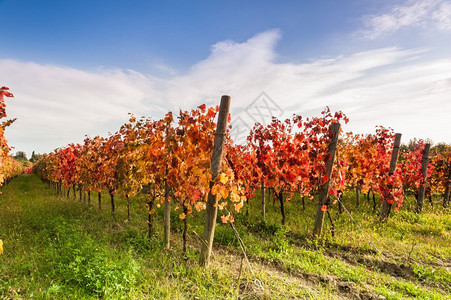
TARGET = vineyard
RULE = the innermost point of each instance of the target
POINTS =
(173, 208)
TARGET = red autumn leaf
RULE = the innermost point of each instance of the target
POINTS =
(324, 208)
(333, 192)
(324, 179)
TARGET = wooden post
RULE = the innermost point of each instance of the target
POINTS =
(374, 202)
(167, 203)
(424, 173)
(128, 206)
(185, 230)
(113, 208)
(59, 188)
(248, 209)
(150, 216)
(263, 200)
(385, 210)
(167, 217)
(324, 188)
(447, 189)
(212, 203)
(279, 196)
(340, 199)
(357, 195)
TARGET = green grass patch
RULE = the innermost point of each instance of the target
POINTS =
(59, 248)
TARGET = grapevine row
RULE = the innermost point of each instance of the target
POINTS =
(170, 159)
(9, 167)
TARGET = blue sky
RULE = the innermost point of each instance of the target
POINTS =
(138, 34)
(78, 67)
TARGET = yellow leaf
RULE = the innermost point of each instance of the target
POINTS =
(152, 211)
(223, 178)
(199, 206)
(182, 216)
(234, 197)
(228, 218)
(1, 246)
(238, 206)
(234, 189)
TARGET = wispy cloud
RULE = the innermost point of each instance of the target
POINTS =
(166, 69)
(56, 105)
(443, 16)
(424, 14)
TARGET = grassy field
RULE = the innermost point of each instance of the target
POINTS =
(58, 248)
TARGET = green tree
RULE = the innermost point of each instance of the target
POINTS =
(35, 157)
(21, 155)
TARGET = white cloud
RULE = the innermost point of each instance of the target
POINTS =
(56, 105)
(425, 14)
(388, 86)
(443, 16)
(166, 69)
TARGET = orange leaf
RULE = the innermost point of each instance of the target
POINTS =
(238, 206)
(324, 207)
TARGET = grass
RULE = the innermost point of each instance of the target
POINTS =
(58, 248)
